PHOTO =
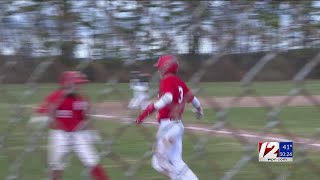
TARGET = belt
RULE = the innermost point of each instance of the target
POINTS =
(170, 119)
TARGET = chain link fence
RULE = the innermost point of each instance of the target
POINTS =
(208, 143)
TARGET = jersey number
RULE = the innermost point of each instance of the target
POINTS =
(181, 94)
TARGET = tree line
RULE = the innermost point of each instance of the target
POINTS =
(139, 30)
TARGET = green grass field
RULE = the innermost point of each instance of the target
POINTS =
(223, 151)
(12, 92)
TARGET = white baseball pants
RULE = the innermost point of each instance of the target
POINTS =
(167, 157)
(60, 143)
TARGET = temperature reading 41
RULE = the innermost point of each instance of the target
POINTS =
(287, 146)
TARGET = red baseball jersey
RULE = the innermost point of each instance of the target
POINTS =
(179, 90)
(68, 110)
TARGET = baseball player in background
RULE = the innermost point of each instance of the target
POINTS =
(173, 95)
(140, 87)
(66, 110)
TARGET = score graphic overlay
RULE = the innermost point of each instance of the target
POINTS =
(275, 151)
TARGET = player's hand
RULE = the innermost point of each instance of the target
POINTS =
(39, 122)
(199, 112)
(139, 119)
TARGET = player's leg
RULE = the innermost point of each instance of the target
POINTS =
(144, 103)
(139, 102)
(133, 108)
(58, 148)
(88, 155)
(181, 169)
(160, 159)
(133, 104)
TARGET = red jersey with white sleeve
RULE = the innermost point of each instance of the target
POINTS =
(68, 111)
(180, 95)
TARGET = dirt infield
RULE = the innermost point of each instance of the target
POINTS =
(208, 102)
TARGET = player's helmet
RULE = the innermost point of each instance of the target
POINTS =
(167, 64)
(72, 77)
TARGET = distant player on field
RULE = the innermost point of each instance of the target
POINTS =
(140, 87)
(173, 95)
(66, 108)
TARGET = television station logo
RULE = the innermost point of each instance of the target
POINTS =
(275, 151)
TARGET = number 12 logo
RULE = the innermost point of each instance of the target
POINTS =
(268, 149)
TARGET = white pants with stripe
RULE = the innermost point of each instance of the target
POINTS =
(60, 143)
(167, 157)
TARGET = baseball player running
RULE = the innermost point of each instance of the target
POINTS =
(173, 95)
(66, 109)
